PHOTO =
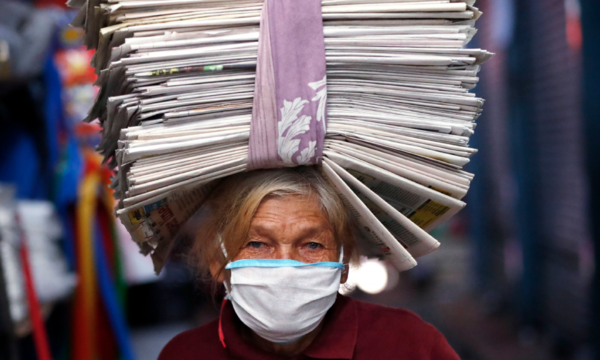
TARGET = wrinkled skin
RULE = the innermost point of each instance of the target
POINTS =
(290, 228)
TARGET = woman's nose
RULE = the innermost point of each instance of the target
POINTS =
(286, 252)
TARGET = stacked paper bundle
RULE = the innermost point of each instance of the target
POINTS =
(177, 84)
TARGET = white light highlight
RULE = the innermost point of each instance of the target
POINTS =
(372, 277)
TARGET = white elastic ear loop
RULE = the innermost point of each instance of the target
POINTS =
(225, 254)
(223, 247)
(342, 254)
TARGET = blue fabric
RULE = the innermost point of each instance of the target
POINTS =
(109, 297)
(53, 111)
(69, 171)
(20, 163)
(30, 116)
(275, 263)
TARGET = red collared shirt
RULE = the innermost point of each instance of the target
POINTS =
(351, 330)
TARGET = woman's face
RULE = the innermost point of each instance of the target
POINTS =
(290, 227)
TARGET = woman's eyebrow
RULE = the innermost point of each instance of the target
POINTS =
(302, 230)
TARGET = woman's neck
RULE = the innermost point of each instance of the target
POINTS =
(290, 350)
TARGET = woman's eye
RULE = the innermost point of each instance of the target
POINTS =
(314, 245)
(255, 244)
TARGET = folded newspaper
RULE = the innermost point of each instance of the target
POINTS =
(177, 81)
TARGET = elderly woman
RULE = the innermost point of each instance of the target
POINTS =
(281, 241)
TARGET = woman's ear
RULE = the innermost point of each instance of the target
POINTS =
(344, 277)
(216, 271)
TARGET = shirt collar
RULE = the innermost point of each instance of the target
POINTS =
(336, 340)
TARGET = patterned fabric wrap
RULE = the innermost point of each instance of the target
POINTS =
(289, 111)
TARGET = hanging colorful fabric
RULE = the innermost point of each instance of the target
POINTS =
(40, 336)
(84, 319)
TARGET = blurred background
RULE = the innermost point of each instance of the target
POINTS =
(515, 278)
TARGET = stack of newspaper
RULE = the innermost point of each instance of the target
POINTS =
(176, 84)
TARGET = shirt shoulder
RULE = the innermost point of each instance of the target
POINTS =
(379, 315)
(399, 334)
(200, 343)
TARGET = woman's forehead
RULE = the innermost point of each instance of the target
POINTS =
(290, 211)
(292, 206)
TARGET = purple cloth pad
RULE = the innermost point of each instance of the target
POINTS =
(289, 112)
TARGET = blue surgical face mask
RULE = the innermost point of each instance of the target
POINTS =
(282, 300)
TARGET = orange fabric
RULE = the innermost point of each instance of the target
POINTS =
(84, 319)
